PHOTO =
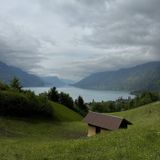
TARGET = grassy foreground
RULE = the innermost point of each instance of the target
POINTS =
(37, 140)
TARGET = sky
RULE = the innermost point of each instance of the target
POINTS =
(74, 38)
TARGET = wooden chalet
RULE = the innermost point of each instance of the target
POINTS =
(97, 122)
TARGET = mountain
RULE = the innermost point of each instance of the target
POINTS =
(67, 81)
(53, 81)
(145, 76)
(27, 80)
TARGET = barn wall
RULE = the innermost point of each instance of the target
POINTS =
(91, 130)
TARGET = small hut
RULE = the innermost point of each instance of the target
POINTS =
(97, 122)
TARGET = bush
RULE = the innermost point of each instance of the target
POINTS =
(3, 86)
(104, 107)
(24, 105)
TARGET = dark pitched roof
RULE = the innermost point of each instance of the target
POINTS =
(104, 121)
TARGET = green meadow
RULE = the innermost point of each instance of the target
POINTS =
(65, 137)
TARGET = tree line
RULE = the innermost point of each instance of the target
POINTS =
(65, 99)
(18, 102)
(141, 98)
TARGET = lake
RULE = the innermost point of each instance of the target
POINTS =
(87, 94)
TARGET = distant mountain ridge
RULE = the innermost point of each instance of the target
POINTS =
(56, 81)
(67, 81)
(7, 73)
(140, 77)
(52, 81)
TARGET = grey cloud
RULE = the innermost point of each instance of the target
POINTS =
(122, 23)
(128, 23)
(78, 68)
(77, 37)
(17, 48)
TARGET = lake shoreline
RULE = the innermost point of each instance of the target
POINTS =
(87, 94)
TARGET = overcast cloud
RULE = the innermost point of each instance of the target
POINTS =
(73, 38)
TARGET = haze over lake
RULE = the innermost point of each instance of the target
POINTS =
(88, 95)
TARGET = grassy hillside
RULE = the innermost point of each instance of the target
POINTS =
(63, 113)
(48, 140)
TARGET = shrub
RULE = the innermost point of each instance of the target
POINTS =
(104, 107)
(24, 105)
(3, 86)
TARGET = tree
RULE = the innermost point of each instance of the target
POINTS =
(53, 94)
(81, 106)
(66, 100)
(15, 84)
